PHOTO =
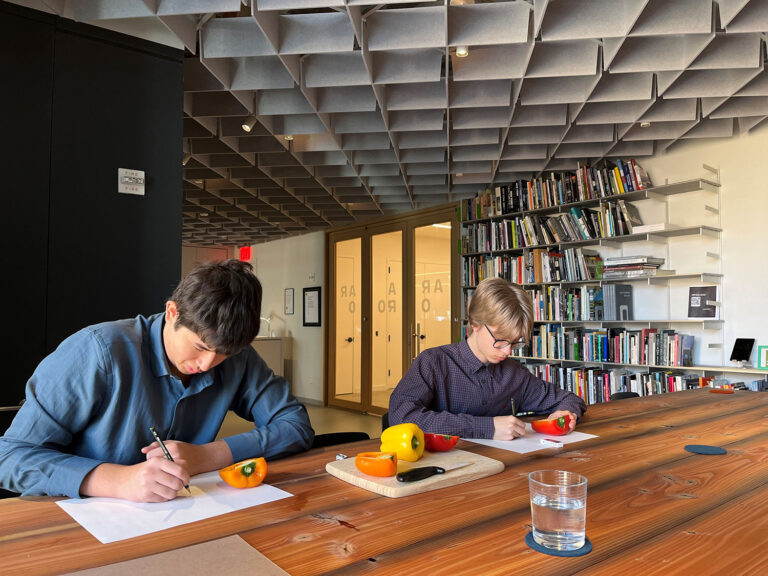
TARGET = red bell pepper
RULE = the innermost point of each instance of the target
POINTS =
(439, 442)
(556, 426)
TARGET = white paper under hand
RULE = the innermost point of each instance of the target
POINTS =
(111, 519)
(531, 441)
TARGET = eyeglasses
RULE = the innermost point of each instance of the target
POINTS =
(498, 343)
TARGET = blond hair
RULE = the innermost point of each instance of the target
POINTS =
(500, 303)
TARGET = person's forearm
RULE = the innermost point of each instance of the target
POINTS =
(106, 480)
(211, 456)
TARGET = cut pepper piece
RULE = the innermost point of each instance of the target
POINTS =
(556, 426)
(377, 463)
(245, 474)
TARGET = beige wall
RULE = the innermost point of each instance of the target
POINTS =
(297, 263)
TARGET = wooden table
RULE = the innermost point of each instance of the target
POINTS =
(652, 507)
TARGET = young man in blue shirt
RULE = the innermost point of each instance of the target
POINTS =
(473, 389)
(84, 427)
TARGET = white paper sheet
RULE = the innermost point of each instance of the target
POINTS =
(111, 519)
(531, 441)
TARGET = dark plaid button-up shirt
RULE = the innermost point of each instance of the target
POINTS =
(448, 390)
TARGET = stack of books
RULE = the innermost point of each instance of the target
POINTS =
(620, 267)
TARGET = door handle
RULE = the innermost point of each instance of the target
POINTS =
(350, 339)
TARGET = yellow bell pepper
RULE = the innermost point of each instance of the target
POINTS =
(406, 439)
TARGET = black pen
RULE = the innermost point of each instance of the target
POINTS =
(165, 451)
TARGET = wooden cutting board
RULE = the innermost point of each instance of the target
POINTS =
(480, 467)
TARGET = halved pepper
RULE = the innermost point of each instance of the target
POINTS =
(245, 474)
(406, 440)
(556, 426)
(439, 442)
(377, 463)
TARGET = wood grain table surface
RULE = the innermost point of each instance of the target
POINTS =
(652, 507)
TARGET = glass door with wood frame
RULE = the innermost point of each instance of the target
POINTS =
(390, 296)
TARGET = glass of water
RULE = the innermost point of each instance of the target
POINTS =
(558, 508)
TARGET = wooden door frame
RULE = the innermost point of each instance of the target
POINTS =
(332, 237)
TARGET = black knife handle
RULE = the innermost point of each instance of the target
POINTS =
(415, 474)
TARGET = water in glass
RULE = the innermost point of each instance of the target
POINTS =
(558, 521)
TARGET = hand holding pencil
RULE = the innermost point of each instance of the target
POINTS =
(166, 453)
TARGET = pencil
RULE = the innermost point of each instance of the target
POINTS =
(165, 451)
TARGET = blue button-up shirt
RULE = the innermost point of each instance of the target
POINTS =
(94, 398)
(448, 390)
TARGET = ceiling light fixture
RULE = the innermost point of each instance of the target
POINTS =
(462, 51)
(459, 174)
(249, 123)
(288, 137)
(645, 124)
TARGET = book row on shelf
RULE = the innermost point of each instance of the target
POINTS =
(587, 303)
(557, 189)
(609, 220)
(595, 385)
(536, 266)
(617, 345)
(542, 266)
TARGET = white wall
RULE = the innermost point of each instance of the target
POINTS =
(744, 218)
(297, 263)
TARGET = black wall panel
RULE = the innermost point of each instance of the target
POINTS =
(26, 75)
(112, 255)
(81, 102)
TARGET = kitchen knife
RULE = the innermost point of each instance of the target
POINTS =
(424, 472)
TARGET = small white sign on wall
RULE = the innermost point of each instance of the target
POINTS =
(130, 181)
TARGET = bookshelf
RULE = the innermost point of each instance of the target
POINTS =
(497, 241)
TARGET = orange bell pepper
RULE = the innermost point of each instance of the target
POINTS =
(245, 474)
(377, 463)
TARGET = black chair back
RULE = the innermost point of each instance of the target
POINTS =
(622, 395)
(384, 421)
(333, 438)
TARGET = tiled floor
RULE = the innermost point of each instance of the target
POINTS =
(323, 420)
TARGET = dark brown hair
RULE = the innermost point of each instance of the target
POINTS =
(221, 303)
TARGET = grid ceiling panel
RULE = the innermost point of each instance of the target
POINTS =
(361, 108)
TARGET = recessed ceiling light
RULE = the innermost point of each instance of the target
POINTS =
(459, 174)
(645, 124)
(288, 136)
(462, 51)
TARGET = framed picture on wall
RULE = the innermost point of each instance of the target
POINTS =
(289, 301)
(311, 307)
